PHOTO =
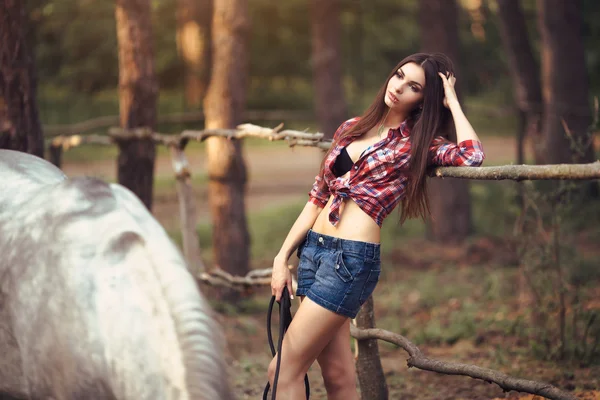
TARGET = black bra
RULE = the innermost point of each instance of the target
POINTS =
(343, 163)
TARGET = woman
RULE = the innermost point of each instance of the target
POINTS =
(375, 162)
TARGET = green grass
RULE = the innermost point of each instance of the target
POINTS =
(59, 106)
(95, 153)
(90, 153)
(393, 234)
(267, 232)
(494, 207)
(165, 185)
(490, 114)
(443, 306)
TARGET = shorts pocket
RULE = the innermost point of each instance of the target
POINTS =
(301, 248)
(370, 284)
(341, 270)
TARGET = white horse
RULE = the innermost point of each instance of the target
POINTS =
(95, 300)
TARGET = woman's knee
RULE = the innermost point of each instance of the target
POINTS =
(338, 376)
(288, 372)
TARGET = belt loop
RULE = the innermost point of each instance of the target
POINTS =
(370, 254)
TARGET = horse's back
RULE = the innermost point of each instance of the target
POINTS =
(21, 172)
(97, 301)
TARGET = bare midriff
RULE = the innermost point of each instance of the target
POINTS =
(354, 223)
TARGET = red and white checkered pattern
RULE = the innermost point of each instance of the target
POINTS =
(377, 180)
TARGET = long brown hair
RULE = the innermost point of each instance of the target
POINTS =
(433, 119)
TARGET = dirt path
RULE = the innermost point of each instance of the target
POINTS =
(276, 176)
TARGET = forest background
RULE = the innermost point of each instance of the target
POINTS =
(471, 299)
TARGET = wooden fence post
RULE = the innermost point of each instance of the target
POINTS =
(187, 210)
(55, 153)
(368, 366)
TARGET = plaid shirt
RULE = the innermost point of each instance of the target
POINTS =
(377, 181)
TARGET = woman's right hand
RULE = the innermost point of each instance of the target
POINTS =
(280, 278)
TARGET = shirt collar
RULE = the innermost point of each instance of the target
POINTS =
(403, 130)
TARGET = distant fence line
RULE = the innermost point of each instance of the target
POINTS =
(104, 122)
(303, 138)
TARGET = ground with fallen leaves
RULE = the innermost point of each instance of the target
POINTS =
(488, 347)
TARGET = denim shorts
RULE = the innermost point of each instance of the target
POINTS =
(338, 274)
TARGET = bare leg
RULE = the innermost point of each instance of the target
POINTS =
(311, 330)
(337, 366)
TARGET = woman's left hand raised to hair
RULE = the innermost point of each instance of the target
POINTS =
(464, 130)
(450, 97)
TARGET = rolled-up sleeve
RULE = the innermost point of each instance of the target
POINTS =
(319, 194)
(446, 153)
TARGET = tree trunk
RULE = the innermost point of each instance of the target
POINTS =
(564, 82)
(525, 76)
(223, 106)
(193, 44)
(138, 92)
(368, 366)
(20, 127)
(450, 201)
(528, 98)
(327, 64)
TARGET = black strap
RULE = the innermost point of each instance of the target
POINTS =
(285, 318)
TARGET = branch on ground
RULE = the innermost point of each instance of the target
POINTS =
(221, 278)
(418, 360)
